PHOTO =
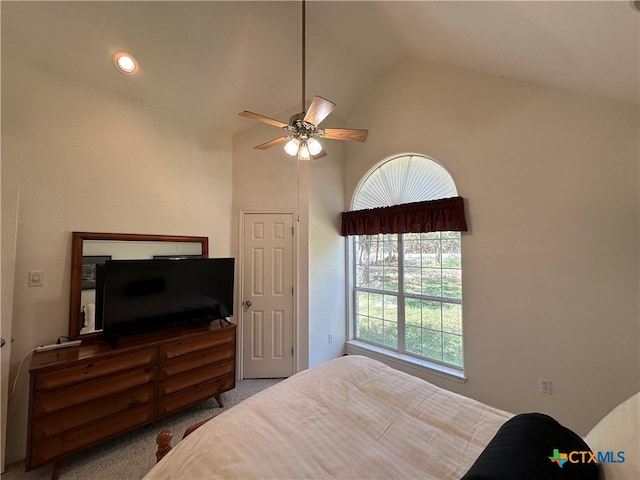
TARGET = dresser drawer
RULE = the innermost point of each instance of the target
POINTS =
(79, 438)
(85, 395)
(83, 414)
(91, 370)
(86, 392)
(195, 394)
(202, 375)
(223, 336)
(196, 360)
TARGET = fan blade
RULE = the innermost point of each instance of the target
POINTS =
(346, 134)
(319, 109)
(320, 155)
(263, 119)
(272, 143)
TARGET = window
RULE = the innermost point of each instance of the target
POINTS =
(407, 287)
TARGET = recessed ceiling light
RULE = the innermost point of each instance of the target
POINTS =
(125, 62)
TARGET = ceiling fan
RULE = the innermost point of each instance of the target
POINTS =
(301, 133)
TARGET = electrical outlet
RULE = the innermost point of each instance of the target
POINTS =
(331, 338)
(545, 386)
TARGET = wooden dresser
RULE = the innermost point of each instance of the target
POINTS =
(80, 396)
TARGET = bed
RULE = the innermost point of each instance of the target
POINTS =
(356, 418)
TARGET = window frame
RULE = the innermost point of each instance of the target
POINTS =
(397, 357)
(402, 295)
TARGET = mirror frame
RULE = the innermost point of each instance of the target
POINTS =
(77, 239)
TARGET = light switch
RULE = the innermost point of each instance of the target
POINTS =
(35, 278)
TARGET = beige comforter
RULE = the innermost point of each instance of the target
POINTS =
(352, 418)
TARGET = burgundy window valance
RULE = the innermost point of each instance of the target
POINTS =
(444, 215)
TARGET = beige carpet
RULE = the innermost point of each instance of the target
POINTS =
(131, 456)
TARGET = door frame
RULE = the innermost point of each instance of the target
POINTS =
(10, 224)
(240, 276)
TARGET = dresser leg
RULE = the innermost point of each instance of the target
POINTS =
(219, 400)
(57, 468)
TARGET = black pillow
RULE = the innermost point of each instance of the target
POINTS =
(523, 449)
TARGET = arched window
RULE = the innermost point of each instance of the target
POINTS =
(403, 179)
(407, 287)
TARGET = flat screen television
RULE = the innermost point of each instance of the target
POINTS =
(137, 296)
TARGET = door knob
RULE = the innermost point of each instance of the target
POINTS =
(247, 303)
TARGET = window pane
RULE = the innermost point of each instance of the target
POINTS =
(362, 303)
(375, 305)
(451, 257)
(431, 282)
(391, 275)
(377, 262)
(362, 327)
(413, 280)
(412, 250)
(452, 346)
(390, 334)
(391, 308)
(452, 283)
(413, 312)
(452, 318)
(376, 330)
(362, 315)
(389, 262)
(413, 341)
(432, 315)
(430, 252)
(432, 344)
(362, 248)
(376, 277)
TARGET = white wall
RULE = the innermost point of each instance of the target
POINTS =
(550, 262)
(88, 161)
(326, 256)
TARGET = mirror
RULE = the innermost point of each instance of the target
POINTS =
(89, 249)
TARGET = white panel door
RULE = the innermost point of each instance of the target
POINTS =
(267, 303)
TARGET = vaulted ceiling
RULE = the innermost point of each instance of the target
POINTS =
(206, 61)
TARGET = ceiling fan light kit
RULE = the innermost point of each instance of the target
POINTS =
(303, 149)
(302, 131)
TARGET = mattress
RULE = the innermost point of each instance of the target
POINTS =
(352, 417)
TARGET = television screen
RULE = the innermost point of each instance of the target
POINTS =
(137, 296)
